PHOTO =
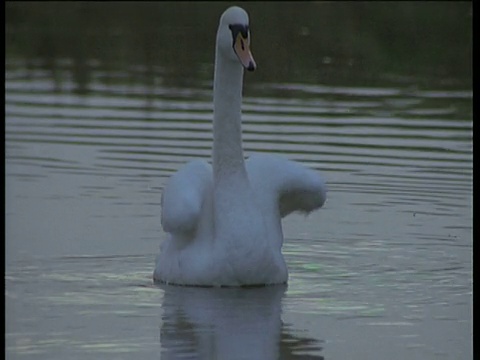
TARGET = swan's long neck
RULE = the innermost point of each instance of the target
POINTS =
(235, 214)
(227, 131)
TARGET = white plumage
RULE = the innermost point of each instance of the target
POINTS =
(224, 220)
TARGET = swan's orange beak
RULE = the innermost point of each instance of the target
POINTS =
(242, 50)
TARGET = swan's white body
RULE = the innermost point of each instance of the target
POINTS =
(224, 221)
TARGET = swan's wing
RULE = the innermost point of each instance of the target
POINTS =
(183, 196)
(288, 185)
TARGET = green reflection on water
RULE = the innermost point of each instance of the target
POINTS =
(173, 42)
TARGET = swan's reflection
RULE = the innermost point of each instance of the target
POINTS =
(228, 323)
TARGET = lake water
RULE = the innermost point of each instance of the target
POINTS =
(104, 102)
(384, 270)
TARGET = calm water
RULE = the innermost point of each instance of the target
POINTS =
(382, 271)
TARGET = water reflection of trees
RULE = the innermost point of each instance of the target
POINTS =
(307, 41)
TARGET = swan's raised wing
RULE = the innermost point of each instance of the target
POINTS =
(183, 196)
(287, 185)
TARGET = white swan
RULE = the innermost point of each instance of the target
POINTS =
(224, 224)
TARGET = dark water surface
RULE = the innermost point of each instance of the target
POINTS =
(383, 271)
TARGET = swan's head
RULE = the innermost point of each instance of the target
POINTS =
(233, 37)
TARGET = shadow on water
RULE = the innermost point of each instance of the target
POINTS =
(229, 323)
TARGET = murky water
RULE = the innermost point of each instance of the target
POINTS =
(382, 271)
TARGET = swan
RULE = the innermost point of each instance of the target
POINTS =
(223, 221)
